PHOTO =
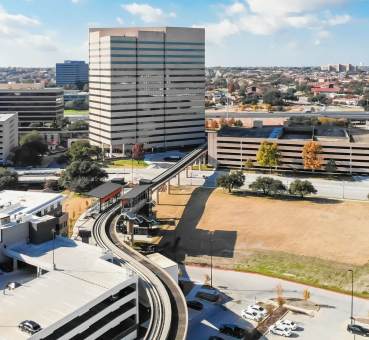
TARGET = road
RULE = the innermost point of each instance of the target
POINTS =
(355, 190)
(242, 289)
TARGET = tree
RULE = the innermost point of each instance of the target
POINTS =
(273, 97)
(302, 188)
(311, 155)
(82, 150)
(238, 123)
(231, 181)
(249, 164)
(263, 184)
(268, 186)
(31, 149)
(277, 187)
(8, 179)
(331, 166)
(138, 152)
(82, 176)
(268, 154)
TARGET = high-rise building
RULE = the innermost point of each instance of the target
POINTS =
(147, 86)
(71, 72)
(38, 108)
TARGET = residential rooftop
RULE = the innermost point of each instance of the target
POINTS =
(81, 275)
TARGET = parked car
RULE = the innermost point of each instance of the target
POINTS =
(251, 315)
(208, 296)
(215, 337)
(195, 305)
(358, 330)
(281, 330)
(29, 326)
(287, 323)
(173, 158)
(258, 309)
(232, 330)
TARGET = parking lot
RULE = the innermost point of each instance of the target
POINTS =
(240, 290)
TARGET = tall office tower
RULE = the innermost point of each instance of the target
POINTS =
(71, 72)
(147, 86)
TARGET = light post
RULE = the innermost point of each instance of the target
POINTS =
(352, 295)
(53, 231)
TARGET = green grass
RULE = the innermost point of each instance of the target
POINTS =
(307, 270)
(75, 112)
(202, 167)
(127, 163)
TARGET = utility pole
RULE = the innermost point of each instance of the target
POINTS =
(211, 259)
(53, 231)
(352, 295)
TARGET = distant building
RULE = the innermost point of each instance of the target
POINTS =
(147, 85)
(9, 134)
(71, 289)
(75, 95)
(329, 89)
(38, 108)
(338, 68)
(231, 147)
(71, 72)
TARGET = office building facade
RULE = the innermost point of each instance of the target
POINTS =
(147, 86)
(71, 72)
(38, 108)
(8, 135)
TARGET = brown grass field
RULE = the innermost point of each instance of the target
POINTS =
(309, 234)
(75, 205)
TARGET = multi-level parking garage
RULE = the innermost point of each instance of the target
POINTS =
(349, 148)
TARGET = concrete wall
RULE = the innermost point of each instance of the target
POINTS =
(11, 235)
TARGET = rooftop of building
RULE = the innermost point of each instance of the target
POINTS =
(14, 202)
(81, 276)
(278, 132)
(5, 116)
(28, 87)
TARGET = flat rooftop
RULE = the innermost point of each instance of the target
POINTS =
(81, 275)
(27, 87)
(5, 116)
(26, 202)
(321, 133)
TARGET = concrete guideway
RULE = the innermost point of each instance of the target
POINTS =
(169, 318)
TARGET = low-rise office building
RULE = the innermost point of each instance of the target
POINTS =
(38, 108)
(8, 134)
(349, 148)
(70, 289)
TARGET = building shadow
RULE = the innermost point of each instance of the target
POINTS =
(187, 239)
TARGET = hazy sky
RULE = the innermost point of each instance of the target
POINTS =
(239, 33)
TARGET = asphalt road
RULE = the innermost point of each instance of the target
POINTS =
(242, 289)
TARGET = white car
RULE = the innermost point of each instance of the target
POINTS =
(251, 315)
(287, 323)
(258, 309)
(281, 330)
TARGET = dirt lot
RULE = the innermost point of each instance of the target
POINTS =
(279, 237)
(75, 205)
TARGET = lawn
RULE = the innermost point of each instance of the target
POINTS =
(75, 112)
(127, 163)
(307, 241)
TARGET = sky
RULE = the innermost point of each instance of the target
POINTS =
(238, 33)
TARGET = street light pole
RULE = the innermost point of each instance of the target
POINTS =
(53, 231)
(352, 295)
(211, 259)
